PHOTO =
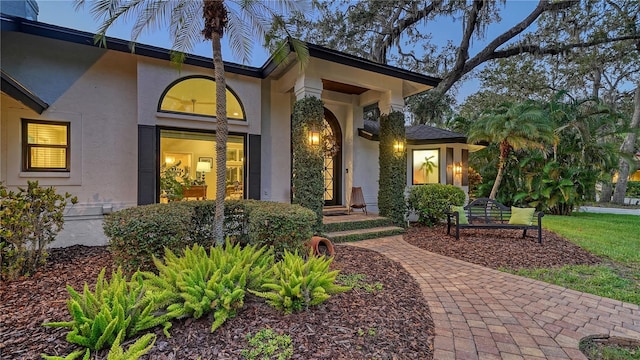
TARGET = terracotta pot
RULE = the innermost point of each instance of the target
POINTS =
(321, 246)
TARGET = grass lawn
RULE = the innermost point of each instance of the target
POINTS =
(615, 238)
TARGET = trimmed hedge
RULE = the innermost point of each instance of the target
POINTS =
(393, 169)
(139, 233)
(432, 201)
(282, 226)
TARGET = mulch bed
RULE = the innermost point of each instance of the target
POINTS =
(501, 248)
(393, 323)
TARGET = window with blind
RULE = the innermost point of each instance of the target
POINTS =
(45, 145)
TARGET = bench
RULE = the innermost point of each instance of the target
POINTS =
(485, 213)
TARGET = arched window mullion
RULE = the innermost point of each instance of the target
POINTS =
(195, 95)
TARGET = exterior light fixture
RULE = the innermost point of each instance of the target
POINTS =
(398, 147)
(314, 136)
(457, 168)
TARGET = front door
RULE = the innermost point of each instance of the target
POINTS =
(332, 159)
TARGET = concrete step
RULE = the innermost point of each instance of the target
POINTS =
(363, 234)
(335, 210)
(356, 224)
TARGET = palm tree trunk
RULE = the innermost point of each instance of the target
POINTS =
(628, 147)
(496, 184)
(222, 132)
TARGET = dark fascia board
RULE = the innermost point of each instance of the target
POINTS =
(12, 23)
(457, 140)
(321, 52)
(19, 92)
(454, 140)
(17, 24)
(324, 53)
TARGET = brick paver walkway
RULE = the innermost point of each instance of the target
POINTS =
(481, 313)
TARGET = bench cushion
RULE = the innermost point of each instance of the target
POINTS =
(521, 216)
(462, 215)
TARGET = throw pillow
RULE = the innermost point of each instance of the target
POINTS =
(521, 216)
(462, 218)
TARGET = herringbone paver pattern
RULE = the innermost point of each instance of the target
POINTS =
(481, 313)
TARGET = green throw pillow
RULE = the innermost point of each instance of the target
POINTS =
(521, 216)
(462, 219)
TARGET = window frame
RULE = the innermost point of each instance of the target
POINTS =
(26, 147)
(245, 149)
(438, 151)
(213, 80)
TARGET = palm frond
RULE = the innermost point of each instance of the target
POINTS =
(239, 33)
(152, 16)
(186, 25)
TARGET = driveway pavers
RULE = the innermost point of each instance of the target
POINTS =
(482, 313)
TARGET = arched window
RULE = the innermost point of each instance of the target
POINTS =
(197, 95)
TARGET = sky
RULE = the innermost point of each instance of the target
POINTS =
(63, 13)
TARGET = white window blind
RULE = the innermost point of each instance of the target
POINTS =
(47, 145)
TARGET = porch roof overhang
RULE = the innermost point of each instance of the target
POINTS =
(416, 134)
(16, 90)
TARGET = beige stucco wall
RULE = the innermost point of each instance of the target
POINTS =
(100, 106)
(154, 76)
(105, 105)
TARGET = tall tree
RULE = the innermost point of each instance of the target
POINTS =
(628, 148)
(512, 127)
(399, 32)
(190, 21)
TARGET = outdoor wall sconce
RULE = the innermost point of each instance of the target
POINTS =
(457, 169)
(398, 147)
(314, 136)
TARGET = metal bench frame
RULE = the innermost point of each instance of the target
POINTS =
(485, 213)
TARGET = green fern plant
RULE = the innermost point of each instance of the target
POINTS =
(116, 306)
(73, 356)
(198, 283)
(134, 352)
(294, 284)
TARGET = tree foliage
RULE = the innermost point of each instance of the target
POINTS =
(562, 173)
(398, 32)
(512, 127)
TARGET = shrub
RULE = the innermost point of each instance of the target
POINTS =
(633, 189)
(197, 283)
(116, 306)
(432, 201)
(265, 344)
(30, 219)
(393, 169)
(137, 234)
(285, 227)
(140, 233)
(294, 284)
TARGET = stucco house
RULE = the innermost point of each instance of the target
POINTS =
(105, 124)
